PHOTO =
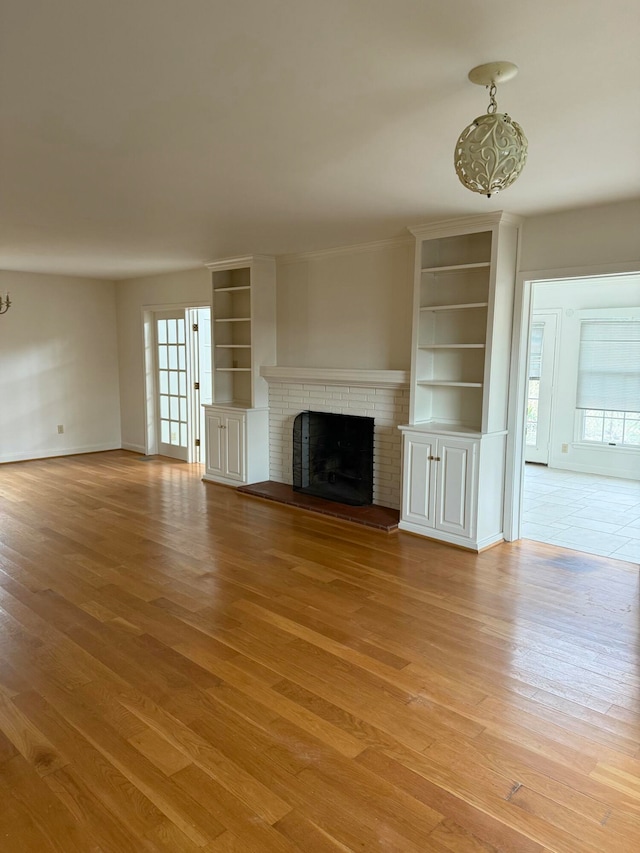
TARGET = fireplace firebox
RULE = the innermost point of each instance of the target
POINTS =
(333, 457)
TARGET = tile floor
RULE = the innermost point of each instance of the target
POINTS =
(584, 512)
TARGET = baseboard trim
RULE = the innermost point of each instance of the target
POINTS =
(474, 545)
(52, 454)
(135, 448)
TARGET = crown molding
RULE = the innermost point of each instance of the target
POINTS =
(356, 248)
(464, 224)
(236, 263)
(337, 376)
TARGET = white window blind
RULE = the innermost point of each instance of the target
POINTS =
(609, 365)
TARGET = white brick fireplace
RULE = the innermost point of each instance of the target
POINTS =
(379, 394)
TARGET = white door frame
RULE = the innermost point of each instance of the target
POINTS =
(198, 369)
(150, 370)
(193, 358)
(522, 311)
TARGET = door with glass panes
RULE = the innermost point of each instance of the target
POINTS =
(183, 380)
(542, 348)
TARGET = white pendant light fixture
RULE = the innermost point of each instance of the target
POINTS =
(491, 152)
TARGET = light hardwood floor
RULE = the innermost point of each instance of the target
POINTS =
(186, 669)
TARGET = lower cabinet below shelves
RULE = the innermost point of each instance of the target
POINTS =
(237, 445)
(452, 487)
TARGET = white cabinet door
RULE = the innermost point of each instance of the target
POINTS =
(233, 431)
(454, 471)
(419, 497)
(215, 444)
(225, 444)
(237, 445)
(439, 484)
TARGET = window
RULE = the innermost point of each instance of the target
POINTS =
(609, 427)
(608, 393)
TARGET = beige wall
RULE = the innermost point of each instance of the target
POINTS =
(588, 237)
(346, 309)
(353, 308)
(192, 288)
(335, 309)
(59, 365)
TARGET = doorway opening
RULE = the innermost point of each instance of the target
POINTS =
(178, 380)
(575, 456)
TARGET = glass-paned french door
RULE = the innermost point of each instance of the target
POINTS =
(181, 347)
(533, 391)
(173, 385)
(542, 346)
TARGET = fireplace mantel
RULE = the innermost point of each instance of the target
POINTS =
(337, 376)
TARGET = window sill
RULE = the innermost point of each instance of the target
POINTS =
(593, 445)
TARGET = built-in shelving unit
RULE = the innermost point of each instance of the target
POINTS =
(452, 293)
(462, 307)
(450, 383)
(454, 445)
(456, 267)
(459, 296)
(243, 329)
(244, 340)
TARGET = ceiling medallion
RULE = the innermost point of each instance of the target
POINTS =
(491, 152)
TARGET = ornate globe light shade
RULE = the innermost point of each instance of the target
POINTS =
(491, 152)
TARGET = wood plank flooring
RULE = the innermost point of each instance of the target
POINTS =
(186, 669)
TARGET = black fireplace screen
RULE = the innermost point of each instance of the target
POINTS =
(333, 457)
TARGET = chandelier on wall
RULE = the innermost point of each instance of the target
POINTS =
(5, 303)
(491, 152)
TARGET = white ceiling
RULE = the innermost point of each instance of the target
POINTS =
(141, 136)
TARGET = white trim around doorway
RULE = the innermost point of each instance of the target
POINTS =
(522, 311)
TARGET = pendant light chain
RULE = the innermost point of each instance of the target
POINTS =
(493, 105)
